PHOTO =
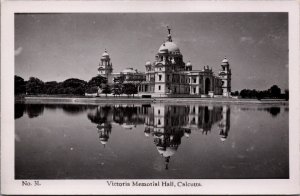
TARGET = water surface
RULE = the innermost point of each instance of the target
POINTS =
(157, 141)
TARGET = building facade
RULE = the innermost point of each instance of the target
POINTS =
(169, 76)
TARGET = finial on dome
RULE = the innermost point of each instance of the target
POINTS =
(169, 35)
(105, 50)
(169, 29)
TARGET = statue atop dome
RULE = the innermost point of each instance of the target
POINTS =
(169, 35)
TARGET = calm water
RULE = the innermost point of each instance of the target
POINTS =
(156, 141)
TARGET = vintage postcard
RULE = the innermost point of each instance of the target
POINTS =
(150, 97)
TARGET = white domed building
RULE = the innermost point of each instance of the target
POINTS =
(169, 76)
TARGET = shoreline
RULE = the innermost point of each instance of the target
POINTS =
(113, 100)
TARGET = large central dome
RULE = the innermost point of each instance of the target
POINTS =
(171, 47)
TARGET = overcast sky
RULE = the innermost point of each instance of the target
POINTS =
(61, 46)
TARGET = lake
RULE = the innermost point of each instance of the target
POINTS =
(151, 141)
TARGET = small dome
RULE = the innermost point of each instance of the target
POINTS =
(103, 142)
(189, 64)
(147, 134)
(187, 134)
(103, 139)
(105, 55)
(169, 151)
(128, 70)
(169, 47)
(225, 60)
(148, 63)
(128, 126)
(163, 48)
(223, 139)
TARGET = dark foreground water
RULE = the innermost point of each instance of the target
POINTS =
(155, 141)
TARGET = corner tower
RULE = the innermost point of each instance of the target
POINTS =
(225, 75)
(105, 67)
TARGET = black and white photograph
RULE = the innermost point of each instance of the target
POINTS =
(153, 101)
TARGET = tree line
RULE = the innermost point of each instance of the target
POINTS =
(98, 84)
(274, 92)
(72, 86)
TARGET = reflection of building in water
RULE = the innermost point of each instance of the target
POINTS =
(224, 124)
(130, 115)
(167, 142)
(102, 116)
(203, 117)
(104, 131)
(192, 117)
(168, 123)
(164, 122)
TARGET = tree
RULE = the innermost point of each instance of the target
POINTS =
(260, 95)
(130, 89)
(80, 90)
(73, 83)
(244, 93)
(119, 80)
(58, 89)
(253, 93)
(91, 90)
(106, 89)
(235, 93)
(275, 91)
(20, 85)
(74, 86)
(117, 89)
(50, 87)
(286, 94)
(95, 83)
(34, 86)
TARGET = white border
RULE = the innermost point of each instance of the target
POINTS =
(277, 186)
